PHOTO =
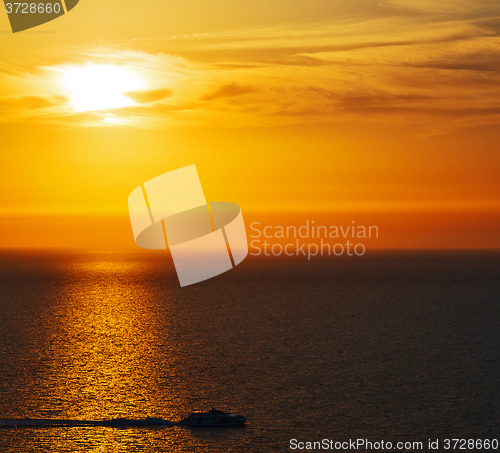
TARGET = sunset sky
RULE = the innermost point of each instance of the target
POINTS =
(382, 112)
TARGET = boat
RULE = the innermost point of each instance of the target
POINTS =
(213, 417)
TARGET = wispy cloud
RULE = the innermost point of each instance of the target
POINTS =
(30, 103)
(227, 91)
(148, 96)
(409, 60)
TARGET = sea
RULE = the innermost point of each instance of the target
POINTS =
(392, 346)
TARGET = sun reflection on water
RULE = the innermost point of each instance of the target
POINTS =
(107, 367)
(106, 362)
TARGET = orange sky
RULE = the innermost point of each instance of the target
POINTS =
(383, 112)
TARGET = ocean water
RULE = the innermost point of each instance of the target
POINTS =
(389, 346)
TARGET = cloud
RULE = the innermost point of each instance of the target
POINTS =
(447, 9)
(227, 91)
(145, 97)
(34, 102)
(316, 101)
(481, 61)
(30, 103)
(404, 61)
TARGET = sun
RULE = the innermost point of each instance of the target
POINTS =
(100, 87)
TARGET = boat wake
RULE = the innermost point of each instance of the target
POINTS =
(114, 423)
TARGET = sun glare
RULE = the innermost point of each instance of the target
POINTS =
(100, 87)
